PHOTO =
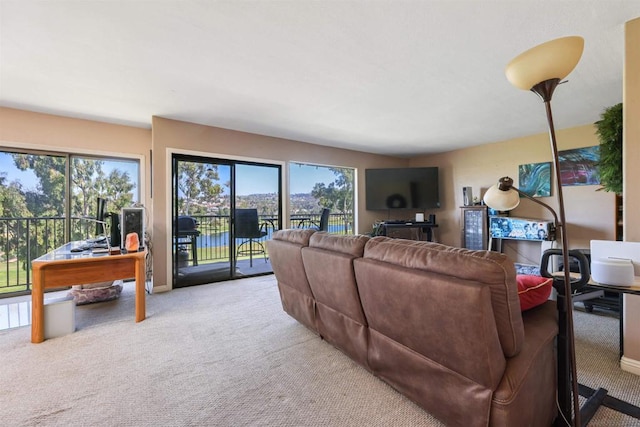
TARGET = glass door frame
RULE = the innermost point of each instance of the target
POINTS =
(210, 158)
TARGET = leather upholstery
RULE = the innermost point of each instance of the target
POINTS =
(328, 262)
(286, 260)
(441, 325)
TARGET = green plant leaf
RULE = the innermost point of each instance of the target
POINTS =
(609, 131)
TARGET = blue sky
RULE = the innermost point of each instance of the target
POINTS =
(261, 180)
(27, 178)
(250, 179)
(30, 181)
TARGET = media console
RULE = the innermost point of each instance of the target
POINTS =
(410, 230)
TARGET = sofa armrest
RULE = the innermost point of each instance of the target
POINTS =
(527, 391)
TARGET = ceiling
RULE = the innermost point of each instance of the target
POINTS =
(392, 77)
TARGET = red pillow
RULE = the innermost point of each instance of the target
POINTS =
(533, 290)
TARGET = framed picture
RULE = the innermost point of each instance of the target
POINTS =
(534, 179)
(579, 166)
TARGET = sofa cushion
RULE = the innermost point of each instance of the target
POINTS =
(349, 245)
(498, 273)
(533, 290)
(297, 236)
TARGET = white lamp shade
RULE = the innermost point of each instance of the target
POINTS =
(501, 200)
(554, 59)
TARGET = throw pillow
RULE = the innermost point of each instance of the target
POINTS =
(533, 290)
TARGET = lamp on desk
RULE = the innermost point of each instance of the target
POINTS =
(540, 70)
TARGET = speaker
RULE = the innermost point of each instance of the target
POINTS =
(432, 219)
(114, 234)
(132, 222)
(467, 195)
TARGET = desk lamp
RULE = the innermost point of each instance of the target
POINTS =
(540, 70)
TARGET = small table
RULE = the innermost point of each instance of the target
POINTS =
(596, 398)
(62, 267)
(270, 221)
(634, 289)
(301, 220)
(189, 237)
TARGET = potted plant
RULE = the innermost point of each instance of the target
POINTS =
(609, 131)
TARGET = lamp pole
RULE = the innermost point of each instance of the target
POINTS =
(545, 91)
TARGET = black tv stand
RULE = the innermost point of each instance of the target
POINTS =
(406, 229)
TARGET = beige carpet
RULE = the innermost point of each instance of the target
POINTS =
(227, 355)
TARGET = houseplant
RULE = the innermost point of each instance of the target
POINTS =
(609, 131)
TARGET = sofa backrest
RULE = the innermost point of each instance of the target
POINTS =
(286, 260)
(328, 261)
(474, 268)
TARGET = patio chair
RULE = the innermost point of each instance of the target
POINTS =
(324, 220)
(251, 231)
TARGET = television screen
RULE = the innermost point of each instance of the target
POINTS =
(402, 188)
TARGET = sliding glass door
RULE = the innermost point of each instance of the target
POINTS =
(223, 213)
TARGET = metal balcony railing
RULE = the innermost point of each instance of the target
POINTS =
(25, 239)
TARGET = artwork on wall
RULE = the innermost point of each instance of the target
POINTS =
(579, 166)
(535, 179)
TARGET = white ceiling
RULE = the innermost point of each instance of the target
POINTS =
(391, 77)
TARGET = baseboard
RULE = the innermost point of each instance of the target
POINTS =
(157, 289)
(630, 365)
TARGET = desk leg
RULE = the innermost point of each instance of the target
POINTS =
(37, 307)
(140, 290)
(621, 324)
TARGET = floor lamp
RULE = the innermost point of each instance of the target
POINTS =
(540, 70)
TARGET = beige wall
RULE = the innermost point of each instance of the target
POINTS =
(175, 136)
(28, 130)
(631, 191)
(590, 214)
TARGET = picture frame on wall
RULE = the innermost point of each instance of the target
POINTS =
(579, 166)
(534, 179)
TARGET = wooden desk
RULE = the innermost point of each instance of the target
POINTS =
(62, 267)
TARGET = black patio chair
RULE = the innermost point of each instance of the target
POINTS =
(249, 229)
(324, 220)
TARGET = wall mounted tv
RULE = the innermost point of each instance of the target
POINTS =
(402, 188)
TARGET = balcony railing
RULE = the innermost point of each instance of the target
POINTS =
(25, 239)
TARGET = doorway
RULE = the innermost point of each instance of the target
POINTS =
(211, 198)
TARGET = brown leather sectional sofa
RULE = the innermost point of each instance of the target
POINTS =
(441, 325)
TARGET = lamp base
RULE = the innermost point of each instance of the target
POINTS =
(595, 398)
(600, 397)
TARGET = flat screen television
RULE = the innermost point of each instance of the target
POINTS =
(402, 188)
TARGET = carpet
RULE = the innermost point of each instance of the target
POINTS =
(226, 354)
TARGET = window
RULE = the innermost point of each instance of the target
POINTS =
(314, 187)
(46, 199)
